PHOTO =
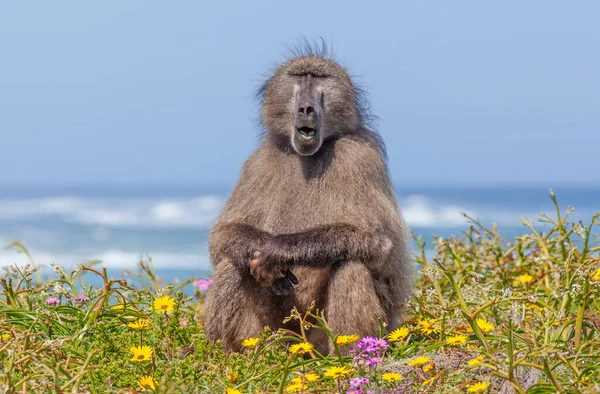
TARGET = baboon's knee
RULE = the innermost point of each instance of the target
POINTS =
(237, 307)
(353, 305)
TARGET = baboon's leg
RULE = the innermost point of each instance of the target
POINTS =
(237, 307)
(352, 304)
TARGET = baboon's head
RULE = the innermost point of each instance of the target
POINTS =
(309, 100)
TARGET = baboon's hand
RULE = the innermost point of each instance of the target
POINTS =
(285, 285)
(269, 263)
(266, 271)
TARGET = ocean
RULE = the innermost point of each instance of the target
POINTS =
(118, 225)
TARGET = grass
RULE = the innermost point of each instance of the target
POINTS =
(488, 315)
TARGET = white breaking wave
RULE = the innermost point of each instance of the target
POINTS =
(197, 212)
(200, 212)
(109, 258)
(101, 215)
(420, 211)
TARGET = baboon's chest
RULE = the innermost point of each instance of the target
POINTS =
(296, 212)
(296, 204)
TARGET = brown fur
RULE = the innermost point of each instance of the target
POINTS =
(331, 217)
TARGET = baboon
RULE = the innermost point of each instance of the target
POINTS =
(313, 216)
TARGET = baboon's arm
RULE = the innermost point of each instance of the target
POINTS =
(236, 242)
(329, 244)
(242, 244)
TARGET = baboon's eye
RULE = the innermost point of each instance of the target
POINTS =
(317, 75)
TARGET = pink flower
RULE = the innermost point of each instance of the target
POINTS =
(203, 284)
(373, 361)
(357, 382)
(52, 301)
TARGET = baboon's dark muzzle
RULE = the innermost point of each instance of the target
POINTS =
(307, 108)
(308, 114)
(307, 119)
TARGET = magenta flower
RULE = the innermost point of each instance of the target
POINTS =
(357, 382)
(354, 391)
(82, 298)
(373, 361)
(52, 301)
(382, 343)
(369, 351)
(203, 284)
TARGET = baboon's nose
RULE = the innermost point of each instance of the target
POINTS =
(307, 111)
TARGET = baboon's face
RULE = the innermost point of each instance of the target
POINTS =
(307, 115)
(309, 100)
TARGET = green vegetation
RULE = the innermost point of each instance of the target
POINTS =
(488, 315)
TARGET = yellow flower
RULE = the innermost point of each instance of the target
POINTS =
(295, 388)
(391, 376)
(337, 372)
(250, 343)
(429, 381)
(140, 324)
(309, 377)
(344, 340)
(232, 378)
(484, 325)
(429, 326)
(164, 304)
(596, 275)
(476, 361)
(478, 387)
(524, 279)
(229, 390)
(417, 362)
(535, 308)
(141, 353)
(398, 334)
(4, 337)
(301, 348)
(147, 382)
(456, 340)
(429, 367)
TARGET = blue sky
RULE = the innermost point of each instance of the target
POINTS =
(142, 92)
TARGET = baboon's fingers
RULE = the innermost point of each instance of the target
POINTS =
(288, 287)
(283, 286)
(290, 275)
(279, 287)
(276, 288)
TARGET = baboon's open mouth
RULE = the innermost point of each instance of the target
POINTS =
(307, 132)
